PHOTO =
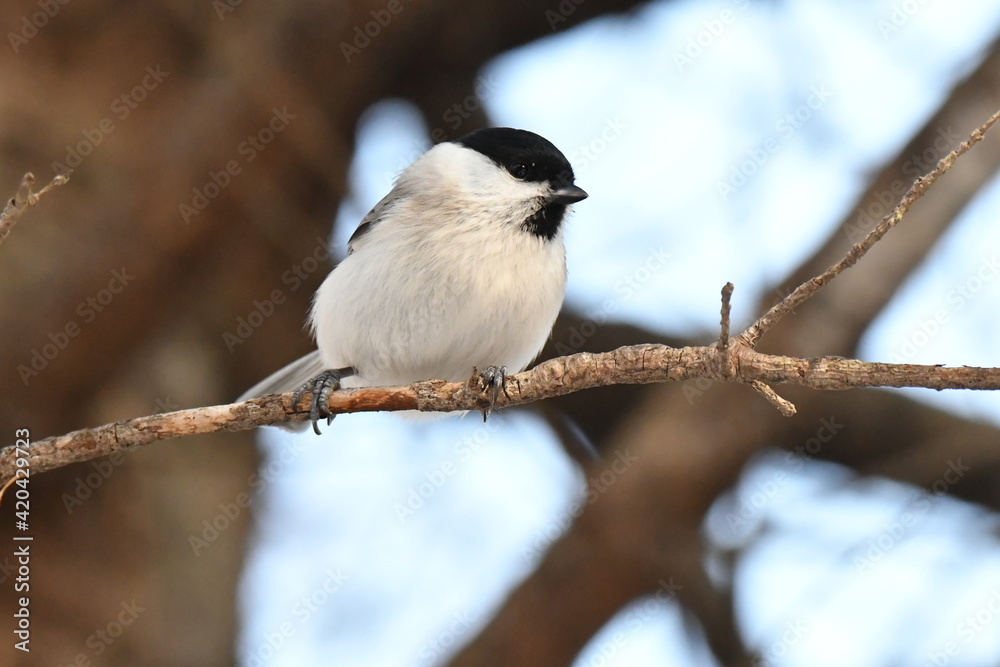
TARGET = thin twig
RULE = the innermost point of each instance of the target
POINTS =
(785, 407)
(807, 289)
(23, 199)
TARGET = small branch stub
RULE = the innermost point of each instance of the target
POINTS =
(727, 296)
(785, 407)
(23, 199)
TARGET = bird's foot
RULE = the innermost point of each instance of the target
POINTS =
(321, 387)
(494, 381)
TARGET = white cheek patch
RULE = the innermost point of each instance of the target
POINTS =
(471, 190)
(474, 178)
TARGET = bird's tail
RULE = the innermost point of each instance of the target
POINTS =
(289, 378)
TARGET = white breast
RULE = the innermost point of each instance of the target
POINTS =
(420, 299)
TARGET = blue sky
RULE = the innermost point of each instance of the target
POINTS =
(388, 542)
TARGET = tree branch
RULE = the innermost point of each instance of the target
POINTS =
(635, 364)
(728, 360)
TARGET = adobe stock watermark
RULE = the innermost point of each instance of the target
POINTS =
(764, 491)
(894, 531)
(225, 7)
(626, 287)
(457, 114)
(440, 307)
(778, 649)
(121, 108)
(246, 152)
(708, 36)
(588, 154)
(596, 487)
(452, 118)
(899, 16)
(105, 636)
(301, 612)
(84, 486)
(641, 612)
(638, 615)
(292, 278)
(363, 35)
(486, 86)
(784, 128)
(967, 630)
(438, 647)
(212, 528)
(695, 389)
(561, 13)
(462, 452)
(30, 24)
(930, 325)
(88, 311)
(869, 214)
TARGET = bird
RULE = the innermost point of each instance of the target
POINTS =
(461, 265)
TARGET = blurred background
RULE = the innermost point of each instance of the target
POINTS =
(223, 152)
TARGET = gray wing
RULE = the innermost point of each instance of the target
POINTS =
(375, 216)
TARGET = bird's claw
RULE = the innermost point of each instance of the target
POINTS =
(320, 387)
(494, 380)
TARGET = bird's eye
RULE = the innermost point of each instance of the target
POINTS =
(519, 171)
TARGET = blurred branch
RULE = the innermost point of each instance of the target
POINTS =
(23, 199)
(636, 364)
(616, 552)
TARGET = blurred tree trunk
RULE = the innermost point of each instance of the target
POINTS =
(210, 144)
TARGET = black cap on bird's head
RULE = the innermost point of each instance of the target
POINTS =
(531, 158)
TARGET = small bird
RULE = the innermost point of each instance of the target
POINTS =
(461, 265)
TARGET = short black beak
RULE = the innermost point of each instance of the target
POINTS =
(569, 194)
